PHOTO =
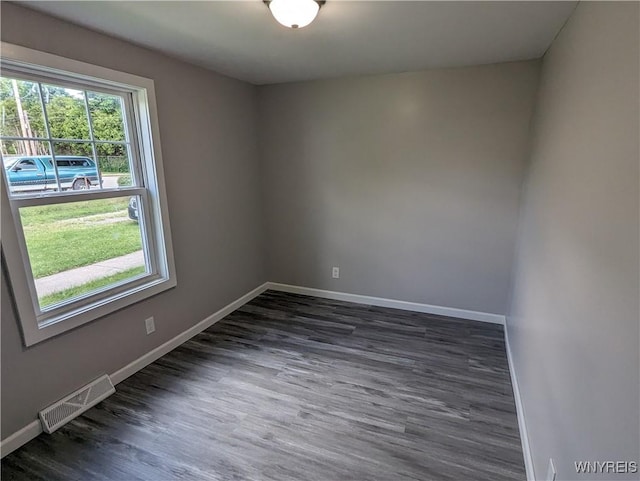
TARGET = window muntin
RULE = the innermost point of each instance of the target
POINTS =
(120, 133)
(70, 122)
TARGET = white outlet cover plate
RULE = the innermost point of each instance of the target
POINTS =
(335, 272)
(150, 325)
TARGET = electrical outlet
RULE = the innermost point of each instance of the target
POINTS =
(551, 471)
(335, 273)
(150, 325)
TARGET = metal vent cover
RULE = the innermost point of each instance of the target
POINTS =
(63, 411)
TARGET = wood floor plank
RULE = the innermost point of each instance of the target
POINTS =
(292, 387)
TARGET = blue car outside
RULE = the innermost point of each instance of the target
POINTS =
(26, 173)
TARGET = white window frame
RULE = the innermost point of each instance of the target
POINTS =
(39, 325)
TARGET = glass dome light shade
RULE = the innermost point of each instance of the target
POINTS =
(294, 13)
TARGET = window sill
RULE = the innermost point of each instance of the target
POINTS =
(91, 311)
(54, 326)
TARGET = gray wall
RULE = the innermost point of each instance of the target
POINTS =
(573, 325)
(208, 132)
(408, 182)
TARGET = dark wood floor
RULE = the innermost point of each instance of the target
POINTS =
(298, 388)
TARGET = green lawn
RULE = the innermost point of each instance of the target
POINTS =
(65, 236)
(40, 216)
(89, 286)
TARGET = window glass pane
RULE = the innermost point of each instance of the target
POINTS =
(79, 248)
(73, 148)
(80, 161)
(77, 168)
(106, 116)
(115, 165)
(66, 112)
(27, 173)
(20, 110)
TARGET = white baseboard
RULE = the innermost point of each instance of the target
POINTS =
(395, 304)
(33, 429)
(21, 437)
(522, 425)
(143, 361)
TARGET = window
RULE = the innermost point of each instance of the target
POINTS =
(26, 165)
(82, 190)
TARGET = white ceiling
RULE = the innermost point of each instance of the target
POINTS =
(241, 39)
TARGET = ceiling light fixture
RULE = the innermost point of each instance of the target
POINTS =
(294, 13)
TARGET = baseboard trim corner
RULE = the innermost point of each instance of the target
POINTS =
(20, 438)
(392, 303)
(34, 428)
(522, 424)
